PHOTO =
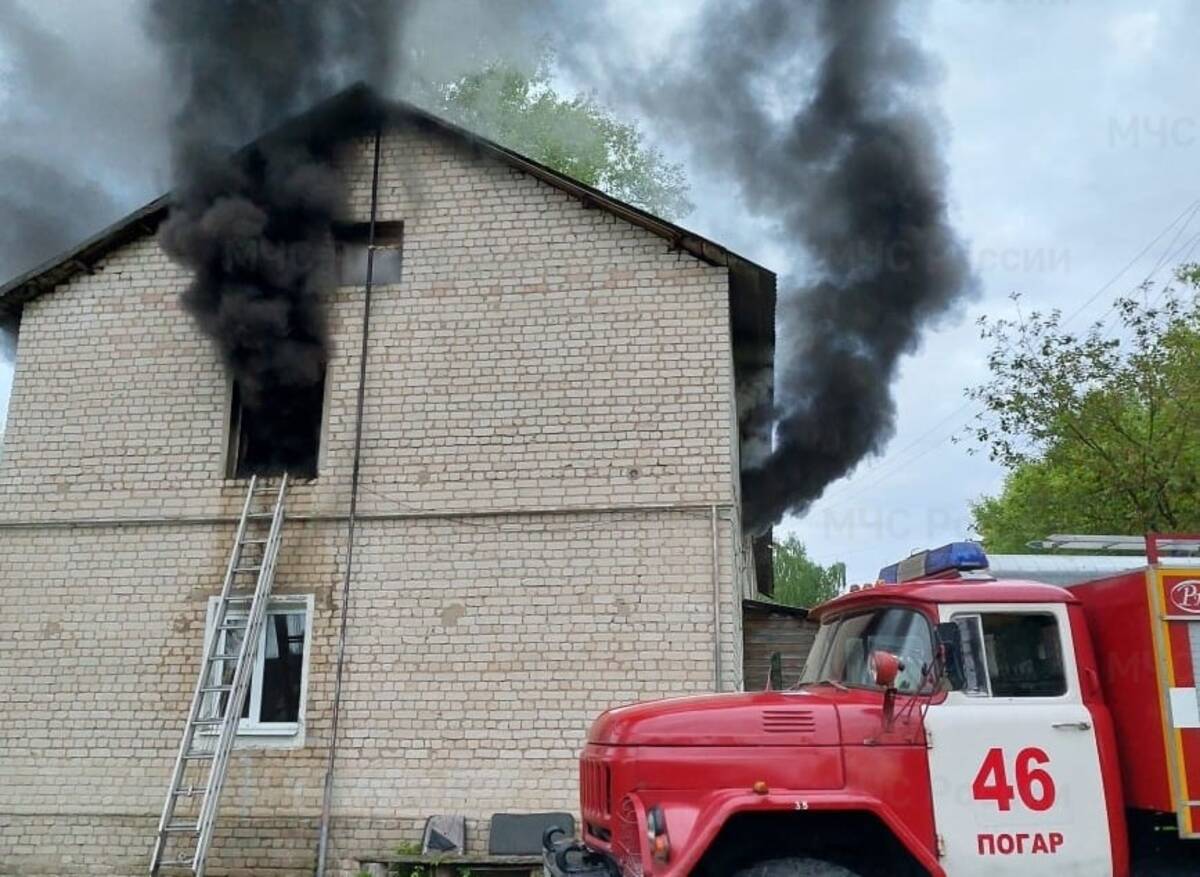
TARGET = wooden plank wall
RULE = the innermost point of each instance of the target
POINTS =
(766, 629)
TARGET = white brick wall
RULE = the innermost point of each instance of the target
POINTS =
(548, 424)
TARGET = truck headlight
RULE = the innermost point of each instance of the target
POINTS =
(656, 833)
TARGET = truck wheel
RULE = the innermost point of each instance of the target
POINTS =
(795, 868)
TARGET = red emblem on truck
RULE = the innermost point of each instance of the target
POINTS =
(1185, 596)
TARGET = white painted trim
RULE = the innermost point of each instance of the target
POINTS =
(1185, 708)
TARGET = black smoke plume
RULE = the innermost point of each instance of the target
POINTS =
(819, 114)
(872, 216)
(254, 223)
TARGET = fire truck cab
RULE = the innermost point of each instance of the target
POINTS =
(946, 723)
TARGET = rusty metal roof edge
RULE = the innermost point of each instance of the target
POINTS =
(83, 256)
(773, 607)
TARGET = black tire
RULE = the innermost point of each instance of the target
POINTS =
(795, 868)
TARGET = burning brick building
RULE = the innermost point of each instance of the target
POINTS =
(548, 514)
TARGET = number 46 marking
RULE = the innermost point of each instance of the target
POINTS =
(1034, 785)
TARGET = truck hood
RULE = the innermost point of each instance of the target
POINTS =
(759, 719)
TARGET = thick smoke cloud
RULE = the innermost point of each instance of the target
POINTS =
(79, 133)
(816, 116)
(872, 216)
(256, 230)
(819, 113)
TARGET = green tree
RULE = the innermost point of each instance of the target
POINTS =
(576, 136)
(800, 580)
(1098, 430)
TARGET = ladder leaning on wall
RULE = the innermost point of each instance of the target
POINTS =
(230, 647)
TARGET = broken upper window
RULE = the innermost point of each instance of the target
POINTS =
(278, 433)
(352, 243)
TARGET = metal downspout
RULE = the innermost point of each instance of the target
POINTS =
(716, 595)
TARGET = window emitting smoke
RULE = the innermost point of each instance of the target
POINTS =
(256, 230)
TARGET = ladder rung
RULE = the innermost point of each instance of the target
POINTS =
(222, 657)
(198, 756)
(216, 688)
(208, 722)
(190, 791)
(176, 829)
(247, 569)
(260, 515)
(232, 627)
(255, 541)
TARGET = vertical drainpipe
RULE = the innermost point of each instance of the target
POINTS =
(327, 795)
(716, 595)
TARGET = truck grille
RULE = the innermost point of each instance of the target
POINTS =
(789, 721)
(595, 781)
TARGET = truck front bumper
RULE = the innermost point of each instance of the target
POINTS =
(565, 857)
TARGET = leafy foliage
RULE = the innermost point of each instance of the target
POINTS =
(575, 136)
(800, 580)
(1099, 430)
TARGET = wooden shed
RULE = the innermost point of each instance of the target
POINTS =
(768, 628)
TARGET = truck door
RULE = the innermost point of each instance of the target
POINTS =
(1014, 764)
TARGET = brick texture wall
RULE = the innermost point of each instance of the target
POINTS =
(548, 427)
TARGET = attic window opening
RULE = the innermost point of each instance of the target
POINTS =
(280, 434)
(350, 242)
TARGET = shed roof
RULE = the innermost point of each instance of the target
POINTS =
(359, 110)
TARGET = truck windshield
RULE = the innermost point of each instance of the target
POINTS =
(843, 647)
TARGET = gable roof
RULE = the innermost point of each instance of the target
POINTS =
(359, 110)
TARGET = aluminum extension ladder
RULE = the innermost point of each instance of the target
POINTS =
(230, 647)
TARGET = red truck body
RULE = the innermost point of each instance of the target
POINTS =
(1146, 629)
(877, 781)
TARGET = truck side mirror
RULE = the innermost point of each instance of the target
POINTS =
(885, 667)
(950, 645)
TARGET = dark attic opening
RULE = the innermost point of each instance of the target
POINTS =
(351, 241)
(282, 436)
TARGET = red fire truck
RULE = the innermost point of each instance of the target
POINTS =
(946, 724)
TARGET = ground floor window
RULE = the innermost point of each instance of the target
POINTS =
(278, 687)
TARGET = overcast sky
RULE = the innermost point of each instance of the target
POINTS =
(1073, 135)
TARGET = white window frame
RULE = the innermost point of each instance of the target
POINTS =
(269, 733)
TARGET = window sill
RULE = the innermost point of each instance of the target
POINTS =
(279, 731)
(291, 729)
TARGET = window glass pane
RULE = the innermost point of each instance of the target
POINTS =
(1024, 655)
(814, 665)
(283, 664)
(352, 265)
(972, 672)
(849, 644)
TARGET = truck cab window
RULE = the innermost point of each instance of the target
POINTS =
(844, 645)
(1022, 653)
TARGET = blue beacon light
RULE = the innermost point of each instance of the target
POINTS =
(961, 556)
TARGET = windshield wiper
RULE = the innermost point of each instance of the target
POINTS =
(833, 683)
